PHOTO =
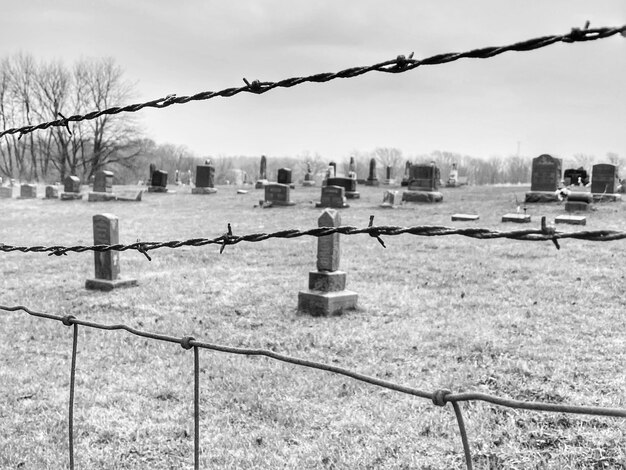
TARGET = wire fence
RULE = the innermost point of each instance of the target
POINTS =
(439, 397)
(398, 65)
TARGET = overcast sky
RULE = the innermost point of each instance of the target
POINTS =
(562, 99)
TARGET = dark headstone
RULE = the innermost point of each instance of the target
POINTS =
(263, 168)
(205, 176)
(103, 182)
(604, 179)
(372, 179)
(277, 195)
(348, 184)
(576, 176)
(52, 192)
(352, 166)
(423, 178)
(407, 173)
(159, 179)
(334, 197)
(107, 263)
(151, 171)
(71, 184)
(28, 191)
(284, 176)
(546, 173)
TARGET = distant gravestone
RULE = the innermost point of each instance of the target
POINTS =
(277, 195)
(205, 180)
(348, 184)
(516, 218)
(327, 294)
(284, 177)
(52, 192)
(107, 264)
(423, 184)
(28, 191)
(102, 187)
(71, 188)
(372, 179)
(407, 174)
(576, 177)
(352, 167)
(262, 181)
(334, 197)
(570, 219)
(389, 199)
(151, 171)
(159, 182)
(6, 192)
(545, 179)
(604, 179)
(308, 176)
(464, 217)
(333, 165)
(388, 178)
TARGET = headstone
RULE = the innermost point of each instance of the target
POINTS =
(453, 177)
(205, 180)
(308, 176)
(545, 179)
(423, 184)
(388, 179)
(107, 263)
(277, 195)
(52, 192)
(284, 177)
(262, 181)
(327, 294)
(570, 219)
(28, 191)
(517, 218)
(464, 217)
(6, 192)
(389, 199)
(576, 176)
(102, 187)
(348, 184)
(159, 182)
(372, 179)
(352, 167)
(604, 179)
(333, 196)
(71, 188)
(406, 176)
(151, 172)
(333, 165)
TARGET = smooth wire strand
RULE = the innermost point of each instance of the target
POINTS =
(398, 65)
(448, 397)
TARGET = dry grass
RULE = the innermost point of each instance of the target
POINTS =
(516, 319)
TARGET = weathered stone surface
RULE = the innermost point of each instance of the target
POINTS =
(576, 206)
(541, 196)
(348, 184)
(100, 197)
(283, 176)
(328, 247)
(197, 190)
(103, 182)
(71, 184)
(424, 178)
(333, 196)
(131, 196)
(422, 196)
(28, 191)
(607, 197)
(545, 174)
(327, 303)
(326, 281)
(52, 192)
(71, 196)
(517, 218)
(580, 196)
(159, 189)
(464, 217)
(389, 199)
(205, 178)
(159, 179)
(604, 179)
(278, 195)
(570, 219)
(6, 192)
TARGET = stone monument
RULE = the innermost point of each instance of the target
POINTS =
(52, 192)
(283, 176)
(389, 199)
(308, 176)
(423, 184)
(327, 294)
(107, 263)
(71, 188)
(102, 187)
(348, 184)
(262, 181)
(545, 179)
(333, 196)
(372, 179)
(406, 176)
(605, 183)
(28, 191)
(205, 180)
(158, 182)
(6, 192)
(277, 195)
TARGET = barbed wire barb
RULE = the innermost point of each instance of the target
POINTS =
(398, 65)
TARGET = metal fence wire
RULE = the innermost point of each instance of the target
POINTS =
(439, 397)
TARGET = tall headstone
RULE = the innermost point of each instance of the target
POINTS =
(71, 188)
(277, 195)
(372, 179)
(352, 167)
(102, 187)
(151, 171)
(453, 177)
(327, 294)
(604, 179)
(262, 181)
(388, 179)
(308, 176)
(423, 184)
(205, 180)
(406, 176)
(348, 184)
(28, 191)
(107, 263)
(545, 179)
(334, 167)
(333, 196)
(158, 184)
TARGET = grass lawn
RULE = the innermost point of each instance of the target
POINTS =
(516, 319)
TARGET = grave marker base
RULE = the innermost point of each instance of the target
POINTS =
(100, 197)
(369, 182)
(518, 218)
(422, 196)
(598, 197)
(580, 197)
(571, 219)
(158, 189)
(70, 196)
(106, 285)
(203, 190)
(277, 203)
(332, 206)
(326, 303)
(352, 195)
(541, 196)
(260, 184)
(464, 217)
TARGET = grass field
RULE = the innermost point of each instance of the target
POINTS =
(516, 319)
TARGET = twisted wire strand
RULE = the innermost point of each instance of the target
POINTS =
(437, 397)
(398, 65)
(541, 234)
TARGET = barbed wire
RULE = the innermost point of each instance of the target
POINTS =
(439, 397)
(545, 233)
(398, 65)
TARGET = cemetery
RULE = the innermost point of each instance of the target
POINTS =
(470, 325)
